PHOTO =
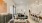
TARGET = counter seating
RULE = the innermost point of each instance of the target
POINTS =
(40, 17)
(5, 18)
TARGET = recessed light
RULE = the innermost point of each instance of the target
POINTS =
(36, 1)
(21, 2)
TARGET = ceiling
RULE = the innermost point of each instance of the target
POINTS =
(20, 1)
(24, 1)
(33, 1)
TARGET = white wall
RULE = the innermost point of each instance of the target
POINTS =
(35, 8)
(20, 4)
(21, 8)
(9, 3)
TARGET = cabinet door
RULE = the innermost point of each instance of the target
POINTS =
(3, 7)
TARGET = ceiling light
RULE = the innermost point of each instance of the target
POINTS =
(36, 1)
(21, 2)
